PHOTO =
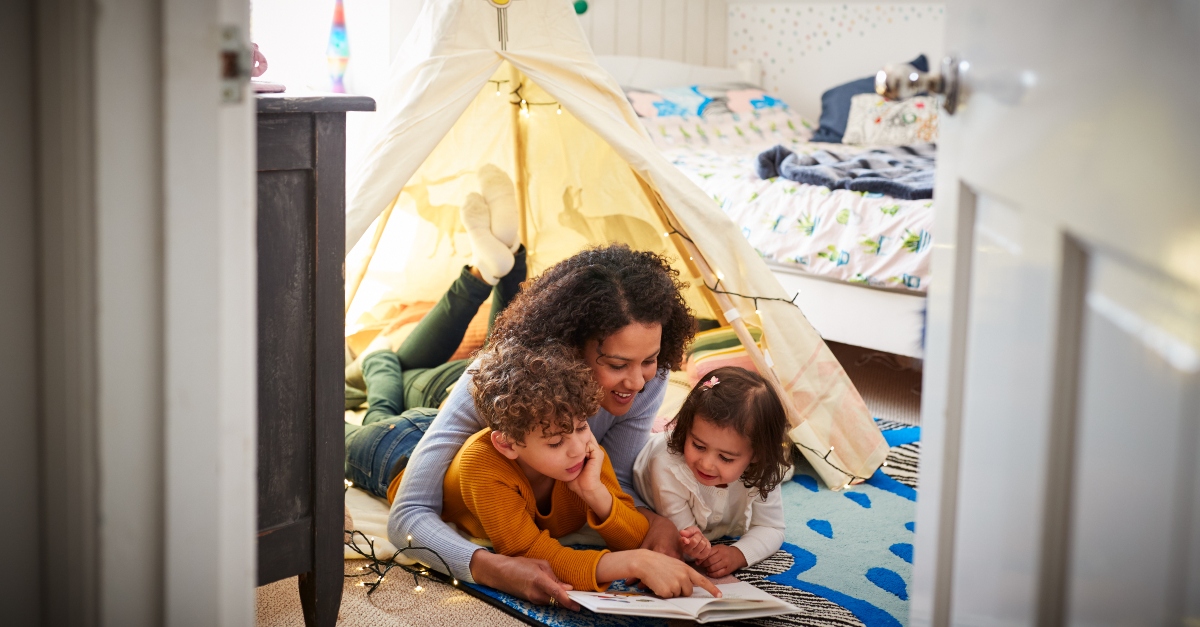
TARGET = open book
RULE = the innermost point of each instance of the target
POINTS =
(740, 600)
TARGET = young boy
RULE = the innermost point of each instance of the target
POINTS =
(537, 474)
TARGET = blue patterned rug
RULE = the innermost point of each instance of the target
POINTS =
(847, 558)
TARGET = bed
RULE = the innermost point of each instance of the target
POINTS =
(858, 261)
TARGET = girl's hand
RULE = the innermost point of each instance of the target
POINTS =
(663, 536)
(587, 483)
(722, 560)
(695, 545)
(668, 577)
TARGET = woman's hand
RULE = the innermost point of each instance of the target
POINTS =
(662, 537)
(668, 577)
(722, 560)
(587, 483)
(530, 579)
(695, 545)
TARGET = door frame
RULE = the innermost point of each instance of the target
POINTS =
(145, 215)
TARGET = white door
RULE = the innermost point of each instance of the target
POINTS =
(1059, 478)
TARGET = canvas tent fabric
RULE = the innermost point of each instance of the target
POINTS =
(586, 173)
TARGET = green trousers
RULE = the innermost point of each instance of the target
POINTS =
(420, 373)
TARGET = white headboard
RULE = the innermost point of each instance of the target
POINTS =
(647, 73)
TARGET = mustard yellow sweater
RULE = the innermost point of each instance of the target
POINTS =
(488, 496)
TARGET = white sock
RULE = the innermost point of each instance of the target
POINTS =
(489, 255)
(502, 200)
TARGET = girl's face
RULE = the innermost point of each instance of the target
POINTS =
(623, 363)
(716, 455)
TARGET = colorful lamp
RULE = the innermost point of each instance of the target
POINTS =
(338, 52)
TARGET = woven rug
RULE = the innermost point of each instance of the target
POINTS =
(846, 559)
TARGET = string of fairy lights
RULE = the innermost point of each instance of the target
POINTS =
(380, 567)
(716, 289)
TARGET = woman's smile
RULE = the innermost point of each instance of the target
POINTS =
(624, 362)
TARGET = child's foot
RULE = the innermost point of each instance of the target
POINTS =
(502, 200)
(489, 255)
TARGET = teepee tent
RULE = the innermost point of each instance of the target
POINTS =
(539, 107)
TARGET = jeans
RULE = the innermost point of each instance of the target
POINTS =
(377, 452)
(403, 387)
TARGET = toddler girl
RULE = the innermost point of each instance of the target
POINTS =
(715, 471)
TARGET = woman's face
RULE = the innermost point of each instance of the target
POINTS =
(623, 363)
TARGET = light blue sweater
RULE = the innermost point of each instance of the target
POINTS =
(417, 508)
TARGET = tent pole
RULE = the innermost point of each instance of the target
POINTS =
(519, 166)
(690, 262)
(362, 272)
(747, 340)
(725, 304)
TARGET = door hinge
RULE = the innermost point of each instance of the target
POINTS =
(237, 60)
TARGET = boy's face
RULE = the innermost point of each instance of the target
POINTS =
(559, 456)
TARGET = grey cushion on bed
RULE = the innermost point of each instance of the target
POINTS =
(835, 104)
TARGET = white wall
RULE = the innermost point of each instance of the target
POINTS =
(294, 34)
(691, 31)
(807, 47)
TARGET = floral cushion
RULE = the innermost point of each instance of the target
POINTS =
(878, 122)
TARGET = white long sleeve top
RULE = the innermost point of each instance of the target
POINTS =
(669, 487)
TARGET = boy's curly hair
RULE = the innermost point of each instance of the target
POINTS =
(744, 401)
(596, 293)
(518, 390)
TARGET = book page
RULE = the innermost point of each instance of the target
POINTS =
(734, 597)
(633, 603)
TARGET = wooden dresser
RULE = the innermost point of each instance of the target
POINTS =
(301, 322)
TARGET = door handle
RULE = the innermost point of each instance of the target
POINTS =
(900, 81)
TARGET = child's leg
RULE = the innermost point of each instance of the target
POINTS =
(440, 332)
(377, 452)
(507, 288)
(385, 386)
(426, 387)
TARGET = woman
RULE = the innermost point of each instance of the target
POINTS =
(624, 311)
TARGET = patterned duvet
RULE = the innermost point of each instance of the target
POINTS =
(850, 236)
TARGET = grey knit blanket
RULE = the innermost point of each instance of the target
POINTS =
(904, 172)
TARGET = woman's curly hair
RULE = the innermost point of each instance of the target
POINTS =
(518, 390)
(596, 293)
(745, 402)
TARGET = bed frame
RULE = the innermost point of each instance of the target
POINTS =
(886, 320)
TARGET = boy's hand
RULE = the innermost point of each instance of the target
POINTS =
(587, 483)
(694, 544)
(668, 577)
(722, 560)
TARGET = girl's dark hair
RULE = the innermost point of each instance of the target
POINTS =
(596, 293)
(744, 401)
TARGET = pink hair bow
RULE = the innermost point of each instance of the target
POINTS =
(708, 385)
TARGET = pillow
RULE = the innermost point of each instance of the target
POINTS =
(702, 101)
(764, 127)
(677, 101)
(716, 349)
(835, 104)
(876, 121)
